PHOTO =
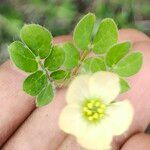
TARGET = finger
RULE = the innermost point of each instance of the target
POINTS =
(139, 141)
(70, 143)
(40, 130)
(15, 105)
(62, 38)
(132, 35)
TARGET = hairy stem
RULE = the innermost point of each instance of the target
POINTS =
(83, 56)
(45, 70)
(76, 70)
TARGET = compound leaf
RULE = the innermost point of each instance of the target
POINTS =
(83, 31)
(59, 74)
(93, 65)
(56, 59)
(37, 38)
(34, 83)
(130, 65)
(22, 57)
(72, 56)
(116, 53)
(45, 96)
(124, 86)
(106, 36)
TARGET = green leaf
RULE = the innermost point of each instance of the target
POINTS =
(93, 65)
(45, 96)
(72, 56)
(34, 83)
(37, 38)
(106, 36)
(116, 53)
(22, 57)
(83, 31)
(59, 74)
(124, 86)
(56, 59)
(130, 65)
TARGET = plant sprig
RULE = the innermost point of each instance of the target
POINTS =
(51, 66)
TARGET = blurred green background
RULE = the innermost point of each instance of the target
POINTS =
(60, 16)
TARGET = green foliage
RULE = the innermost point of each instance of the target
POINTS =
(124, 85)
(106, 36)
(22, 57)
(56, 59)
(55, 65)
(34, 83)
(72, 56)
(37, 38)
(116, 53)
(83, 31)
(130, 65)
(61, 16)
(45, 96)
(93, 65)
(59, 74)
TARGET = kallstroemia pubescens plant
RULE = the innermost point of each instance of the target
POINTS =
(51, 66)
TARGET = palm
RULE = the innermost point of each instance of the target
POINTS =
(40, 130)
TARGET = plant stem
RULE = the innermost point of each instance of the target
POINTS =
(75, 71)
(84, 55)
(45, 70)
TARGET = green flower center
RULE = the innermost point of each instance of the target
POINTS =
(94, 110)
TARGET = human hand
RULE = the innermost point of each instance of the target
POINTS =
(22, 127)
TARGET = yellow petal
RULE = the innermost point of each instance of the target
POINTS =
(71, 120)
(78, 90)
(120, 116)
(104, 85)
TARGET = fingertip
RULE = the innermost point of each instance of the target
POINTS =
(133, 35)
(140, 141)
(62, 39)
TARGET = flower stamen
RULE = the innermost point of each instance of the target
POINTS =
(93, 110)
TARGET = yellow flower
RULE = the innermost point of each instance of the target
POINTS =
(91, 113)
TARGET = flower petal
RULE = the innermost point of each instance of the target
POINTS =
(97, 137)
(71, 120)
(78, 89)
(120, 116)
(104, 85)
(100, 136)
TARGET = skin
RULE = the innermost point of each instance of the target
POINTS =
(22, 126)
